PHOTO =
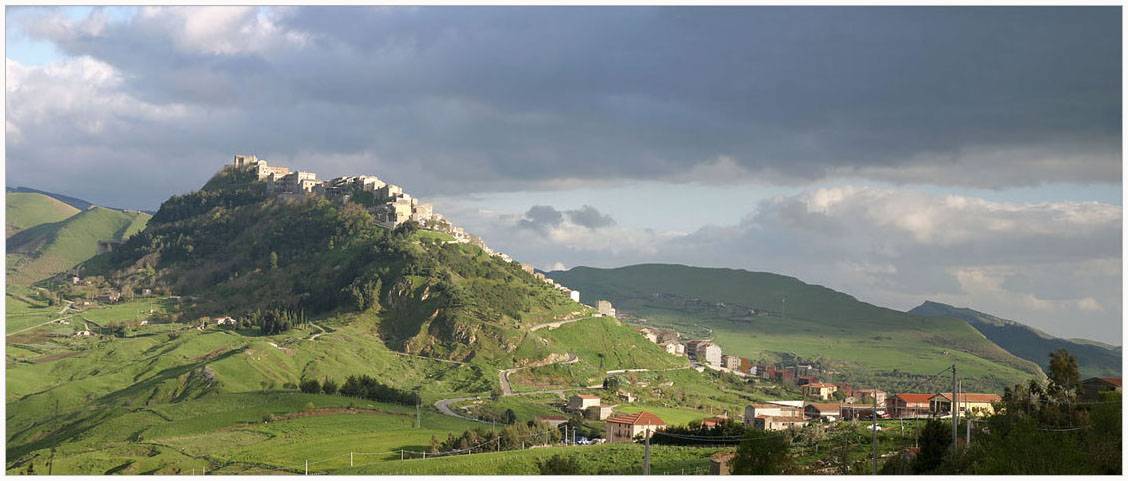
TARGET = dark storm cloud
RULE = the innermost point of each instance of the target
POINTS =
(458, 100)
(541, 218)
(590, 217)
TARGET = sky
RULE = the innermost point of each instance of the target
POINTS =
(967, 155)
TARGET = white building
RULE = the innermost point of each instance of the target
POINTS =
(575, 295)
(709, 353)
(605, 308)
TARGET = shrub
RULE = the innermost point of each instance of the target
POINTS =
(310, 386)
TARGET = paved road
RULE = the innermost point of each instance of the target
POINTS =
(443, 405)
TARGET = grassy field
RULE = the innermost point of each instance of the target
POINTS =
(625, 459)
(24, 210)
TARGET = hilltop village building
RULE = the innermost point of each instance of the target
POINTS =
(389, 204)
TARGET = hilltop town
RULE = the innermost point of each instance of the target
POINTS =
(388, 203)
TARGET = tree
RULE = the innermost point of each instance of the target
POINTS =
(329, 386)
(310, 386)
(273, 260)
(612, 383)
(762, 452)
(509, 417)
(1063, 371)
(558, 464)
(934, 441)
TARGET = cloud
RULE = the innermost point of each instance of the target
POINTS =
(590, 217)
(449, 100)
(541, 218)
(1055, 265)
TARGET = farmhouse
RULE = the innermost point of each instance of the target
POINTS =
(624, 427)
(771, 409)
(827, 411)
(819, 390)
(580, 402)
(977, 404)
(1092, 388)
(909, 405)
(598, 413)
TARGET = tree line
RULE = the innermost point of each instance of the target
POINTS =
(363, 387)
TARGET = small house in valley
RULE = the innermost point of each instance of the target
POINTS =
(823, 411)
(909, 405)
(1092, 388)
(580, 402)
(624, 427)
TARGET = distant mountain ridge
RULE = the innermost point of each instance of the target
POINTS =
(1093, 358)
(762, 315)
(75, 202)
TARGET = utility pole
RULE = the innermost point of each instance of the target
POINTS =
(351, 458)
(967, 442)
(417, 421)
(307, 467)
(874, 429)
(955, 427)
(646, 455)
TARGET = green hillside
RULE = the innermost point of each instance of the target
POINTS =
(1093, 359)
(155, 391)
(25, 210)
(47, 249)
(774, 317)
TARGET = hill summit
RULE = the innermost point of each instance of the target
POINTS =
(263, 242)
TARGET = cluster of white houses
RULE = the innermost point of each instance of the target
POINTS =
(779, 415)
(704, 351)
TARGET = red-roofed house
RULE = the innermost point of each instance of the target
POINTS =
(909, 405)
(624, 427)
(1092, 388)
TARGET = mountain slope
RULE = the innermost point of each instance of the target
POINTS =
(25, 210)
(47, 249)
(75, 202)
(770, 316)
(1030, 343)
